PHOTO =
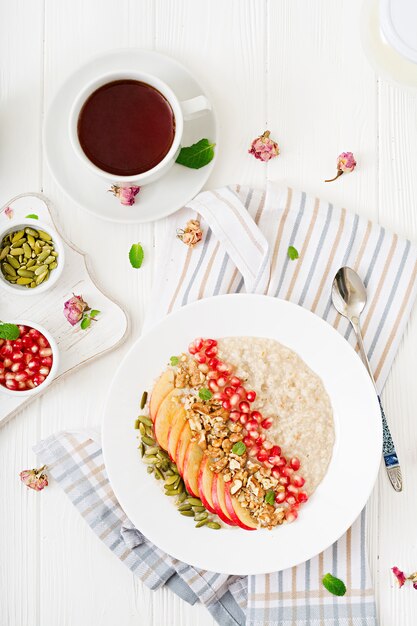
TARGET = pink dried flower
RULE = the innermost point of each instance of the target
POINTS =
(399, 575)
(8, 211)
(126, 195)
(413, 578)
(34, 478)
(191, 234)
(345, 163)
(74, 309)
(264, 148)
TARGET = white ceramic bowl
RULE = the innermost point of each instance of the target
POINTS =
(54, 368)
(21, 290)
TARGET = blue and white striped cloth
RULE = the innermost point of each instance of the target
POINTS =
(244, 248)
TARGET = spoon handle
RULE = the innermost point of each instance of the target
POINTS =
(392, 464)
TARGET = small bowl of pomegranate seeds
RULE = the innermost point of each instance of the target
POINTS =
(28, 363)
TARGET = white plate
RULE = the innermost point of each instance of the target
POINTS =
(339, 498)
(154, 201)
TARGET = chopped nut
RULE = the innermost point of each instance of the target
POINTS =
(237, 484)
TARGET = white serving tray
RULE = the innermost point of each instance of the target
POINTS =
(76, 346)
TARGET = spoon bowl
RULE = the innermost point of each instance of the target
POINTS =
(348, 293)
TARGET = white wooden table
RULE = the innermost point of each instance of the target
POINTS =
(295, 67)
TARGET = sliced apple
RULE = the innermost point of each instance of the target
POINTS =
(182, 445)
(163, 386)
(164, 418)
(239, 515)
(177, 425)
(217, 493)
(205, 482)
(192, 462)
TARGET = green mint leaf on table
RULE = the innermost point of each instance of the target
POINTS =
(9, 331)
(270, 496)
(198, 155)
(293, 253)
(94, 313)
(174, 360)
(32, 216)
(205, 394)
(334, 585)
(136, 255)
(239, 448)
(85, 322)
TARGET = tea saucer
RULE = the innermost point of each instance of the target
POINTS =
(156, 200)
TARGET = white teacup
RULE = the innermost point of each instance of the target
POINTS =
(185, 110)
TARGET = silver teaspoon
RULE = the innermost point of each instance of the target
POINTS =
(349, 298)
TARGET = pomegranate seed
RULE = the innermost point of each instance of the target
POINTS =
(229, 391)
(203, 367)
(44, 371)
(192, 349)
(221, 381)
(280, 497)
(213, 363)
(234, 416)
(256, 416)
(34, 364)
(243, 418)
(212, 375)
(297, 480)
(281, 464)
(219, 395)
(267, 423)
(17, 355)
(30, 384)
(27, 341)
(244, 407)
(34, 333)
(223, 368)
(226, 405)
(7, 363)
(7, 349)
(211, 352)
(209, 343)
(248, 441)
(35, 349)
(251, 396)
(292, 489)
(254, 450)
(287, 471)
(213, 386)
(17, 343)
(262, 455)
(234, 400)
(253, 433)
(21, 377)
(268, 445)
(284, 480)
(198, 343)
(276, 473)
(291, 515)
(200, 358)
(295, 463)
(23, 329)
(38, 379)
(235, 381)
(251, 425)
(45, 352)
(302, 497)
(260, 440)
(241, 392)
(43, 342)
(18, 366)
(275, 451)
(11, 384)
(10, 376)
(291, 500)
(21, 386)
(274, 459)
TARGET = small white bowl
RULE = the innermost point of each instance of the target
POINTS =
(53, 370)
(21, 290)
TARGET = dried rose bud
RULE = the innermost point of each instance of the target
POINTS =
(8, 211)
(345, 163)
(399, 575)
(126, 195)
(74, 309)
(191, 234)
(413, 578)
(264, 148)
(34, 478)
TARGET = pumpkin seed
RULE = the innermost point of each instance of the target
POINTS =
(42, 256)
(201, 523)
(143, 400)
(33, 284)
(169, 472)
(199, 509)
(41, 269)
(53, 265)
(187, 513)
(49, 259)
(13, 262)
(181, 497)
(31, 240)
(31, 231)
(142, 449)
(200, 516)
(25, 273)
(41, 277)
(174, 492)
(4, 253)
(8, 269)
(27, 250)
(23, 281)
(148, 440)
(152, 450)
(171, 480)
(195, 501)
(150, 469)
(152, 460)
(18, 235)
(213, 525)
(158, 474)
(145, 420)
(30, 263)
(16, 251)
(44, 236)
(142, 429)
(184, 507)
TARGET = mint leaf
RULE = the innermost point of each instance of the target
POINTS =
(32, 216)
(270, 496)
(85, 323)
(293, 253)
(198, 155)
(136, 255)
(94, 313)
(205, 394)
(9, 331)
(174, 360)
(239, 448)
(334, 585)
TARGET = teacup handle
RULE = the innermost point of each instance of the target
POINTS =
(194, 107)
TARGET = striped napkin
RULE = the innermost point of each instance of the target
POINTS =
(244, 248)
